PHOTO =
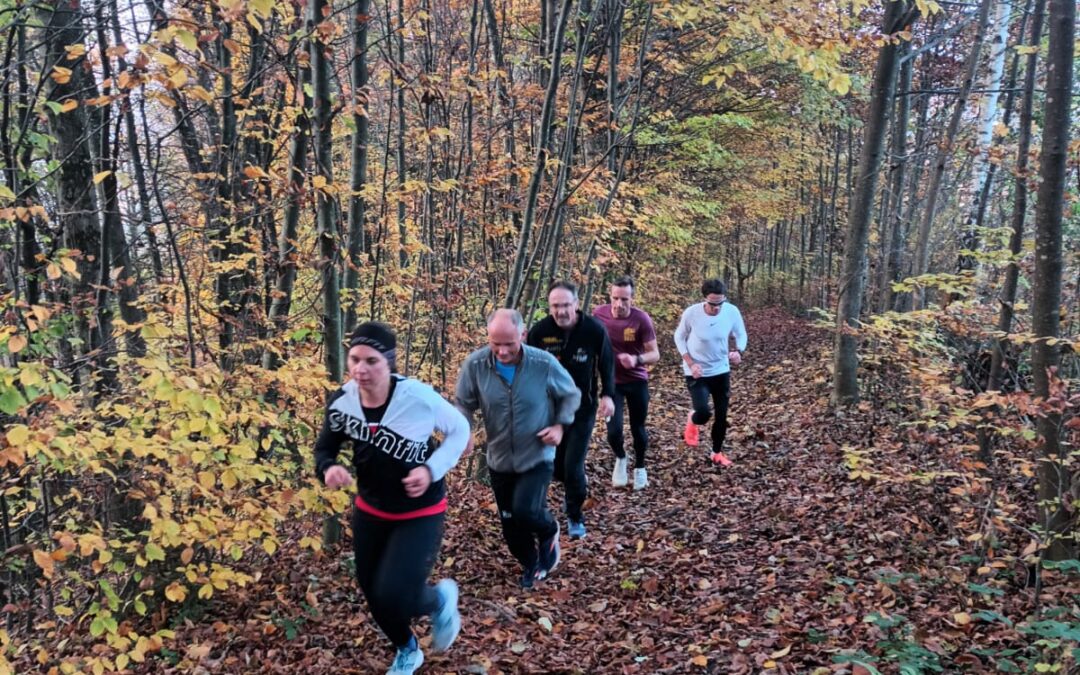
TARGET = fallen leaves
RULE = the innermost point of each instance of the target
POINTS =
(773, 564)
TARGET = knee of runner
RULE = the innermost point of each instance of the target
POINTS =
(701, 417)
(391, 599)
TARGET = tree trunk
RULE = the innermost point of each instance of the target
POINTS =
(586, 21)
(119, 258)
(1016, 240)
(76, 204)
(852, 279)
(146, 216)
(403, 255)
(945, 150)
(986, 104)
(359, 245)
(504, 82)
(513, 293)
(295, 190)
(895, 217)
(1055, 476)
(29, 249)
(324, 168)
(1020, 198)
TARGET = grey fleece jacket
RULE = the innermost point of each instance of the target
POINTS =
(542, 394)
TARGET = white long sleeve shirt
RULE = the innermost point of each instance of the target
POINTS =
(706, 338)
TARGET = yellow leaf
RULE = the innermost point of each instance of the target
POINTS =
(30, 378)
(700, 660)
(962, 618)
(319, 182)
(75, 51)
(228, 479)
(45, 562)
(207, 480)
(70, 266)
(780, 653)
(205, 591)
(16, 345)
(178, 78)
(840, 83)
(261, 7)
(269, 545)
(187, 39)
(61, 75)
(164, 59)
(98, 177)
(176, 592)
(201, 94)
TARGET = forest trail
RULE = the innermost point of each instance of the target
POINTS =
(770, 565)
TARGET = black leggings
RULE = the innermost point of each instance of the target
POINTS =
(570, 461)
(634, 396)
(393, 561)
(719, 387)
(523, 510)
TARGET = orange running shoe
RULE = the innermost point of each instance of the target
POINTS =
(721, 459)
(690, 433)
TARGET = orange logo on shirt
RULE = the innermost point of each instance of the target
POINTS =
(629, 334)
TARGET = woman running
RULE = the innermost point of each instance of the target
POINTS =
(400, 504)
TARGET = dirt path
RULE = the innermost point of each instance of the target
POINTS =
(770, 564)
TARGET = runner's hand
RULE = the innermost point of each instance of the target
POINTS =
(734, 358)
(627, 360)
(551, 435)
(695, 371)
(607, 406)
(337, 476)
(417, 482)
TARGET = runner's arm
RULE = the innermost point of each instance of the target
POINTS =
(456, 432)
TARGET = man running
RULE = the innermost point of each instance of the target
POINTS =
(581, 345)
(703, 339)
(633, 339)
(527, 400)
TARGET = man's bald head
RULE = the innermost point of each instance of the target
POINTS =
(506, 330)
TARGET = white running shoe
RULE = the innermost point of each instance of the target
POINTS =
(641, 479)
(407, 660)
(446, 622)
(618, 476)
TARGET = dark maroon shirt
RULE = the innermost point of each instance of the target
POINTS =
(628, 336)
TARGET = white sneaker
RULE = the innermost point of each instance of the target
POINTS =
(618, 476)
(407, 660)
(641, 479)
(446, 621)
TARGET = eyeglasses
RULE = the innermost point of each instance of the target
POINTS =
(714, 304)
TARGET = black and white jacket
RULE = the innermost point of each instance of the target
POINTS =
(385, 453)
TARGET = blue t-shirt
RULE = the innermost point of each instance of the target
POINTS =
(506, 371)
